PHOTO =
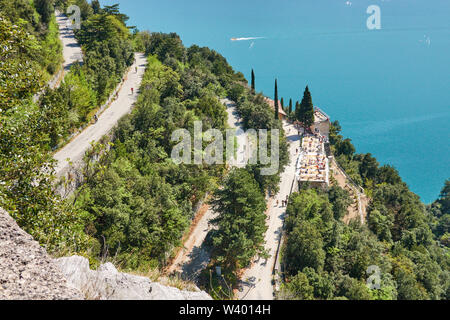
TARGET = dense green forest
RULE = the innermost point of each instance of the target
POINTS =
(136, 203)
(30, 52)
(324, 258)
(29, 131)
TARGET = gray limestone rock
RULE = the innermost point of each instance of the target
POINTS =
(26, 270)
(107, 283)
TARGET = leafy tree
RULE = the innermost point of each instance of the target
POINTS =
(353, 289)
(298, 288)
(304, 248)
(241, 221)
(444, 198)
(96, 7)
(45, 9)
(340, 199)
(20, 75)
(114, 11)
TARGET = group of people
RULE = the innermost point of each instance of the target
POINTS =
(312, 144)
(284, 203)
(313, 163)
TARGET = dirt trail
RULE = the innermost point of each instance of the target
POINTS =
(358, 209)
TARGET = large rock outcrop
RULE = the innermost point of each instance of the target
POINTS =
(107, 283)
(26, 270)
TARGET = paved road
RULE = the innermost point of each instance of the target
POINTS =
(76, 149)
(256, 281)
(194, 257)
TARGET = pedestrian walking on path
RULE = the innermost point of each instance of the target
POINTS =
(132, 91)
(95, 118)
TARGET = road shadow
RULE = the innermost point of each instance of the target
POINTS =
(199, 259)
(293, 138)
(73, 45)
(247, 284)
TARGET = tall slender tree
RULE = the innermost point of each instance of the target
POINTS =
(290, 107)
(282, 103)
(253, 81)
(277, 107)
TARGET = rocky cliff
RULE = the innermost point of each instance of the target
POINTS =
(28, 273)
(107, 283)
(26, 270)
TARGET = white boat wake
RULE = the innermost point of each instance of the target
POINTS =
(247, 39)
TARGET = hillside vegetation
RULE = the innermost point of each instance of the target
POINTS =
(136, 203)
(324, 258)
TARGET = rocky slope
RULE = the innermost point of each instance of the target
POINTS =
(26, 270)
(28, 273)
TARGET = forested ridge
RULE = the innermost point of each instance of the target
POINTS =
(136, 203)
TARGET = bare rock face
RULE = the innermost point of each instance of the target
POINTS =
(107, 283)
(26, 270)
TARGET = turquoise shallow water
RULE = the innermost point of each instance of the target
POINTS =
(389, 88)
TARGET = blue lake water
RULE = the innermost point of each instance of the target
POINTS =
(389, 88)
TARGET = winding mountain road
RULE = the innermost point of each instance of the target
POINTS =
(76, 149)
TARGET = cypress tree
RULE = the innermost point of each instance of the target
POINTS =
(297, 110)
(277, 107)
(282, 103)
(253, 81)
(306, 111)
(290, 106)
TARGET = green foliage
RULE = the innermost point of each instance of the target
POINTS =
(241, 222)
(136, 202)
(20, 74)
(26, 189)
(439, 216)
(398, 237)
(340, 199)
(45, 9)
(298, 288)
